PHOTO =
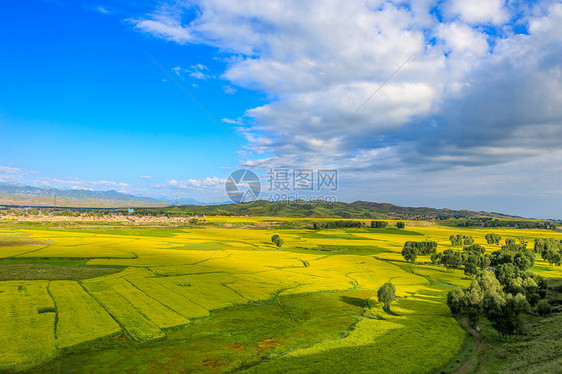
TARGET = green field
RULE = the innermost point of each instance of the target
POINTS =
(222, 297)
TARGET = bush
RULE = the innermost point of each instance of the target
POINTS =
(544, 308)
(379, 224)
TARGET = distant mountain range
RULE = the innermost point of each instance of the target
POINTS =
(21, 195)
(11, 194)
(357, 209)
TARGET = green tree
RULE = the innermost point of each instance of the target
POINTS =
(493, 238)
(276, 239)
(455, 301)
(410, 254)
(378, 224)
(451, 259)
(471, 266)
(400, 225)
(509, 241)
(544, 308)
(386, 295)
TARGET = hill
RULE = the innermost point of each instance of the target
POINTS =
(357, 209)
(11, 194)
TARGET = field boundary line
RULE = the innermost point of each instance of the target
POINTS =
(104, 308)
(157, 301)
(56, 322)
(177, 287)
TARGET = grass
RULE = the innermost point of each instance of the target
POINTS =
(537, 352)
(80, 318)
(27, 324)
(45, 271)
(258, 336)
(137, 326)
(413, 341)
(18, 240)
(209, 299)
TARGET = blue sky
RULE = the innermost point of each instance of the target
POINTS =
(472, 120)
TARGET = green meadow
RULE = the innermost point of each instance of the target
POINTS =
(221, 297)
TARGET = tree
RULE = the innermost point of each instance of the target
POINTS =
(544, 308)
(451, 259)
(410, 254)
(386, 295)
(425, 247)
(476, 248)
(471, 266)
(400, 225)
(493, 238)
(455, 301)
(378, 224)
(276, 239)
(455, 240)
(435, 258)
(503, 312)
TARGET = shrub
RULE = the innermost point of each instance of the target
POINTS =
(544, 308)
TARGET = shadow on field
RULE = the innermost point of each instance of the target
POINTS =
(355, 301)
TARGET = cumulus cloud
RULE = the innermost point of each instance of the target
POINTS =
(478, 11)
(476, 92)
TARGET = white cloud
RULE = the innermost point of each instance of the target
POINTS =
(463, 38)
(6, 170)
(10, 174)
(164, 27)
(204, 185)
(229, 90)
(466, 99)
(478, 11)
(77, 183)
(145, 177)
(198, 71)
(102, 10)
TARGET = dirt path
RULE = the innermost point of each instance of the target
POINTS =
(469, 364)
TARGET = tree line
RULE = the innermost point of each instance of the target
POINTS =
(497, 223)
(458, 240)
(501, 298)
(412, 249)
(550, 250)
(352, 224)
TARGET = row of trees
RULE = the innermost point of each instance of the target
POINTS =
(458, 240)
(353, 224)
(336, 225)
(412, 249)
(379, 224)
(500, 300)
(518, 224)
(472, 257)
(493, 238)
(550, 250)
